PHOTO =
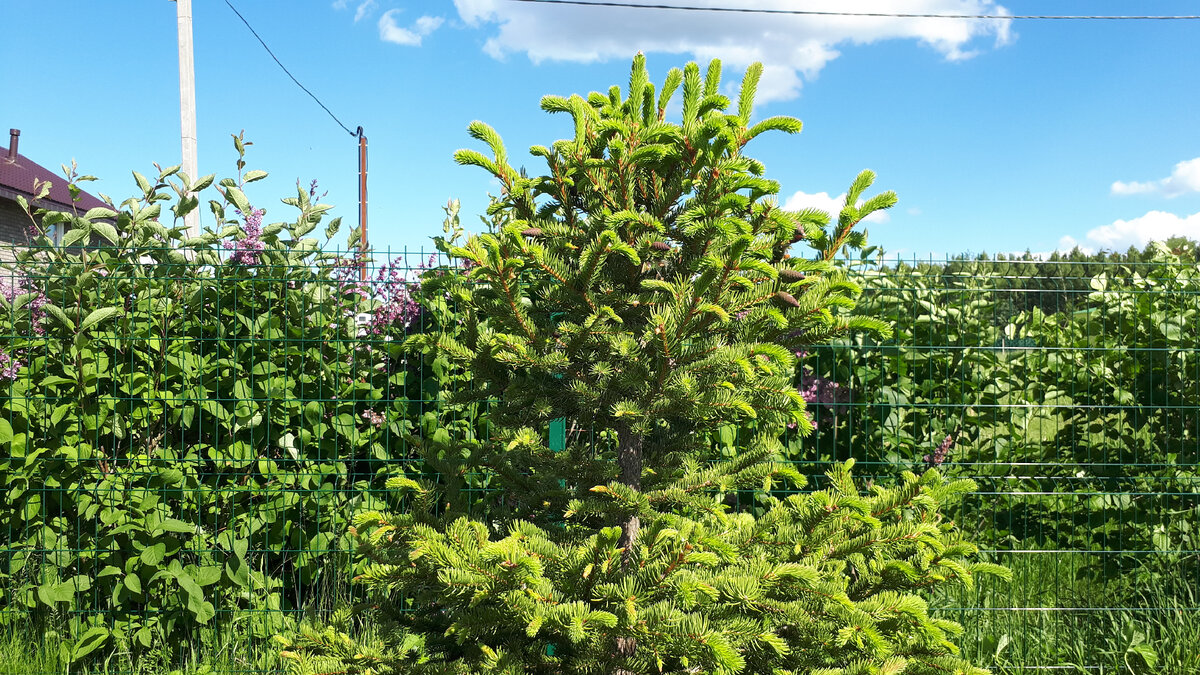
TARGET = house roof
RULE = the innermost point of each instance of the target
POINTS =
(17, 177)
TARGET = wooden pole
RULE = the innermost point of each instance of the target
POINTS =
(187, 105)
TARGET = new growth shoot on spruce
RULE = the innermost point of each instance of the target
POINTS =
(642, 289)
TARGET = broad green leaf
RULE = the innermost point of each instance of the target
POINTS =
(313, 412)
(173, 525)
(89, 642)
(238, 572)
(202, 183)
(107, 231)
(238, 198)
(51, 593)
(101, 213)
(202, 610)
(98, 315)
(206, 575)
(76, 235)
(153, 555)
(143, 184)
(144, 637)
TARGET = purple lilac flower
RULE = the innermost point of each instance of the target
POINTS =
(821, 391)
(938, 456)
(9, 367)
(245, 251)
(23, 286)
(312, 191)
(397, 306)
(389, 291)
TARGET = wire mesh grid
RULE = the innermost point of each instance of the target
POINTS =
(1070, 393)
(184, 467)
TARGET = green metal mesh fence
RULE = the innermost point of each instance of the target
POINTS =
(189, 464)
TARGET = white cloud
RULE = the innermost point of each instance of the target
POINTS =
(1154, 226)
(789, 46)
(831, 205)
(390, 31)
(1184, 179)
(1068, 243)
(340, 4)
(364, 9)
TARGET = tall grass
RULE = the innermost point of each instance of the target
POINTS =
(237, 642)
(25, 650)
(1055, 617)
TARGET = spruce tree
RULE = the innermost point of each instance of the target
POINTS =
(641, 291)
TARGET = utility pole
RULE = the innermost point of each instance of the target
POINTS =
(187, 105)
(362, 204)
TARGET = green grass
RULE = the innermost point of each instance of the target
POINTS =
(1137, 624)
(225, 649)
(238, 643)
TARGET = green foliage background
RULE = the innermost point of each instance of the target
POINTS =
(185, 445)
(188, 437)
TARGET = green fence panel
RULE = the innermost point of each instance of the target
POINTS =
(189, 464)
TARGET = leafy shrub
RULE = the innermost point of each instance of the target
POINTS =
(186, 431)
(1099, 396)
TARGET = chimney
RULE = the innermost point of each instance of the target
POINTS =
(14, 136)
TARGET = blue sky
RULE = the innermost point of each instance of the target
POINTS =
(997, 136)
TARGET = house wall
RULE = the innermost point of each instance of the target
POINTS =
(12, 228)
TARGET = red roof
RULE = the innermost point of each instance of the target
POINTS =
(18, 177)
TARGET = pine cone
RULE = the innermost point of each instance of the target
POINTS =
(791, 276)
(660, 246)
(531, 232)
(799, 234)
(786, 298)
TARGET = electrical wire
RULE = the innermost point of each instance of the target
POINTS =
(887, 15)
(289, 73)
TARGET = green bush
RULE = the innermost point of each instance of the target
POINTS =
(189, 423)
(1069, 391)
(1098, 396)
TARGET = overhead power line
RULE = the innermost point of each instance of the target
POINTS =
(886, 15)
(289, 73)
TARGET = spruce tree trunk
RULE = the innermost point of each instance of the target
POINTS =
(629, 460)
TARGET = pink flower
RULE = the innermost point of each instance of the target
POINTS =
(391, 294)
(23, 286)
(246, 250)
(941, 453)
(9, 367)
(818, 390)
